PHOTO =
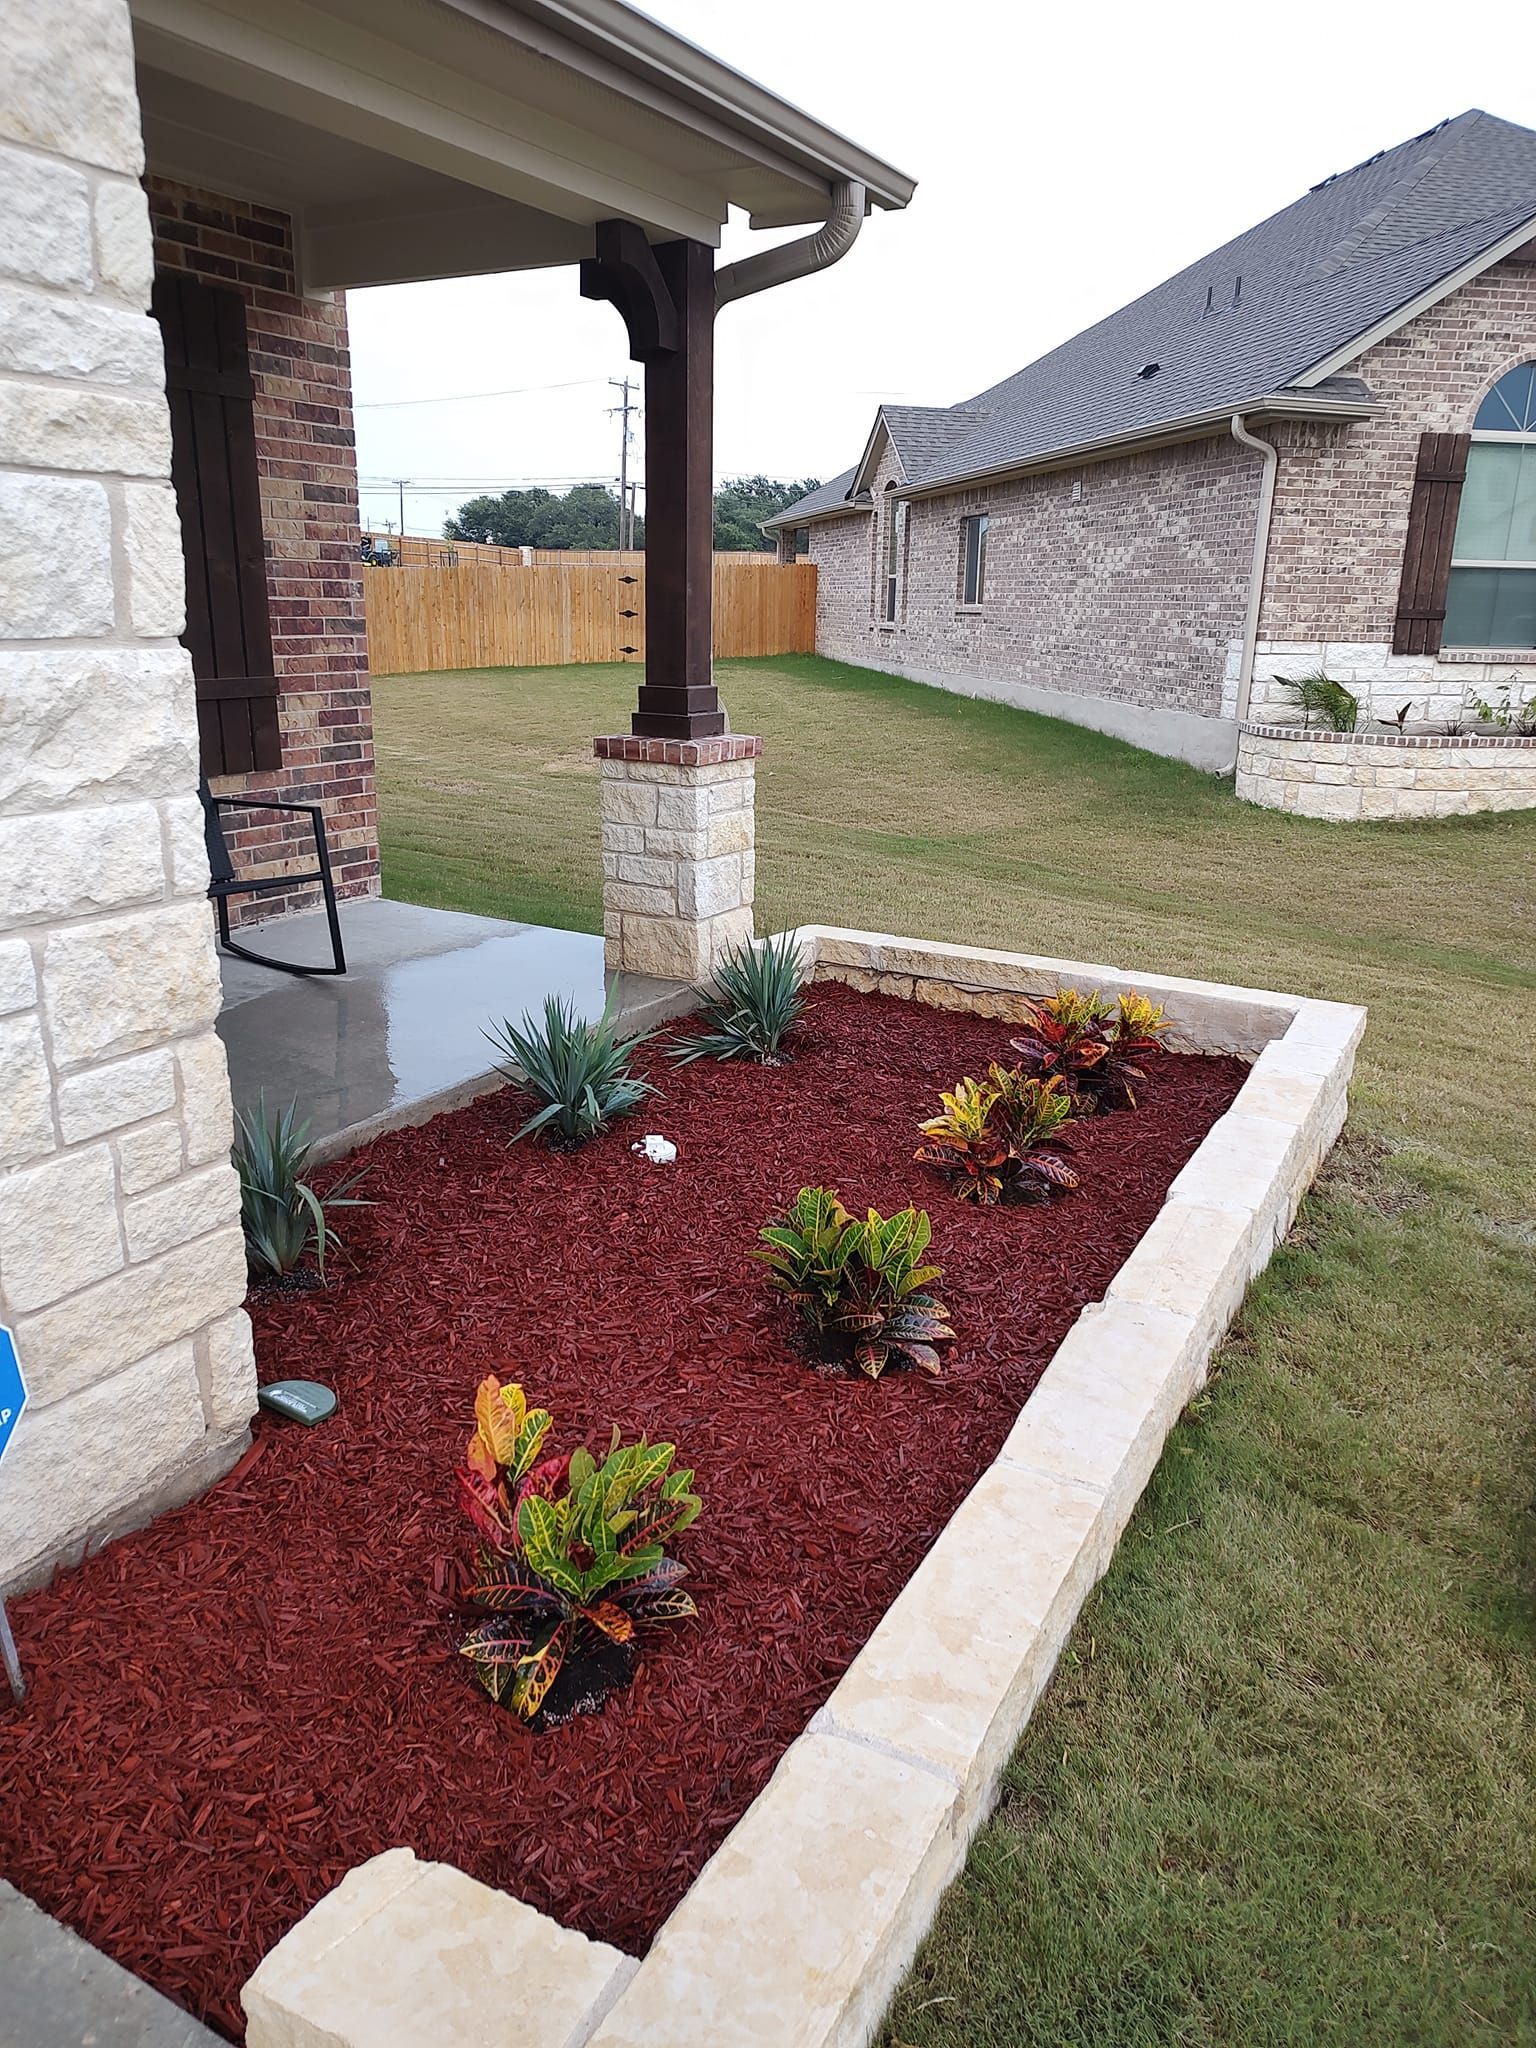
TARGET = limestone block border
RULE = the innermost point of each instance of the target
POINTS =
(800, 1927)
(1383, 776)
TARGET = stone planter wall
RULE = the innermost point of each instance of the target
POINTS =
(799, 1928)
(1382, 775)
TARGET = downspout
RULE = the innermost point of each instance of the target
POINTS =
(833, 239)
(1271, 456)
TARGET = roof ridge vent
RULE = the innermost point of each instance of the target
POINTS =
(1366, 161)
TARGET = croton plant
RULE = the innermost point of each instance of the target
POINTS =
(1090, 1044)
(572, 1560)
(993, 1140)
(859, 1281)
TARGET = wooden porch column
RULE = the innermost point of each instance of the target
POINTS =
(667, 297)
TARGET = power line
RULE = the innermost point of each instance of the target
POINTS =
(469, 397)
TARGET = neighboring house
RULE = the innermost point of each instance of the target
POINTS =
(1095, 538)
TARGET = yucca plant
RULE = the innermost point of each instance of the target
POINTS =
(992, 1140)
(579, 1071)
(282, 1216)
(574, 1559)
(858, 1283)
(1090, 1044)
(754, 1003)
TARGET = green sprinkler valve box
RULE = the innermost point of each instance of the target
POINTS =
(303, 1401)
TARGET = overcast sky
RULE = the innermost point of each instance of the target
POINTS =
(1066, 159)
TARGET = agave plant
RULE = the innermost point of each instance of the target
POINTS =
(579, 1071)
(282, 1216)
(859, 1283)
(755, 1001)
(991, 1140)
(1090, 1044)
(574, 1558)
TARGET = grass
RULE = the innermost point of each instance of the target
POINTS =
(1279, 1791)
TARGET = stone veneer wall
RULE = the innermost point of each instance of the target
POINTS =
(301, 369)
(1384, 775)
(1341, 507)
(122, 1268)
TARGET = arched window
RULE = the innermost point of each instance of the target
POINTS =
(1491, 601)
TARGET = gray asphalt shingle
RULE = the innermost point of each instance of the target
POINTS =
(1248, 320)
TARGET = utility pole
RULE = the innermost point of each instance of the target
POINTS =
(626, 502)
(401, 482)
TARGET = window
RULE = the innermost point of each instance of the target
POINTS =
(973, 558)
(1491, 599)
(218, 496)
(895, 528)
(800, 542)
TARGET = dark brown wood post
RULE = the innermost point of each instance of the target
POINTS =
(667, 298)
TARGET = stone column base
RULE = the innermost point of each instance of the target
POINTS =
(678, 852)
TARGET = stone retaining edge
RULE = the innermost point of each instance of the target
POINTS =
(802, 1924)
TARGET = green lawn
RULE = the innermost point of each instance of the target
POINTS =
(1280, 1790)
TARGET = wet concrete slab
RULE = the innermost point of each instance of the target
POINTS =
(401, 1036)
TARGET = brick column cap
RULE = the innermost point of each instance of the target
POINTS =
(731, 746)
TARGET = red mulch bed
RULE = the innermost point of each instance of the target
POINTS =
(233, 1707)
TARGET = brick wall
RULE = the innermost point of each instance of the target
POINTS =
(1122, 580)
(303, 414)
(1342, 495)
(122, 1267)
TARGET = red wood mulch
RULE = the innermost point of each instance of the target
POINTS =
(233, 1707)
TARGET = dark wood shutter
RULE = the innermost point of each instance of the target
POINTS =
(1437, 482)
(218, 494)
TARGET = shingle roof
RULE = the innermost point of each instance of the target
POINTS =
(1247, 321)
(925, 436)
(831, 496)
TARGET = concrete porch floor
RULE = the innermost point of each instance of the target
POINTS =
(400, 1036)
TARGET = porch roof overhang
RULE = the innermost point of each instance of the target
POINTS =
(414, 139)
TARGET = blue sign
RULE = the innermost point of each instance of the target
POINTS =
(13, 1389)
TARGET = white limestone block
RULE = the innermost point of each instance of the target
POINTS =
(231, 1361)
(48, 427)
(157, 575)
(58, 1228)
(56, 564)
(18, 976)
(26, 1090)
(47, 213)
(139, 1309)
(129, 982)
(797, 1930)
(954, 1666)
(182, 1209)
(73, 863)
(45, 335)
(124, 243)
(207, 1111)
(417, 1955)
(86, 724)
(122, 1092)
(149, 1155)
(68, 85)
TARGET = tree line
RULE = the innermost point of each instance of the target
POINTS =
(587, 516)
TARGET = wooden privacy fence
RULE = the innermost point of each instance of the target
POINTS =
(478, 615)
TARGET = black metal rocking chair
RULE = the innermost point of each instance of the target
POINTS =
(225, 883)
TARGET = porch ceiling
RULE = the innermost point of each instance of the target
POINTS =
(434, 138)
